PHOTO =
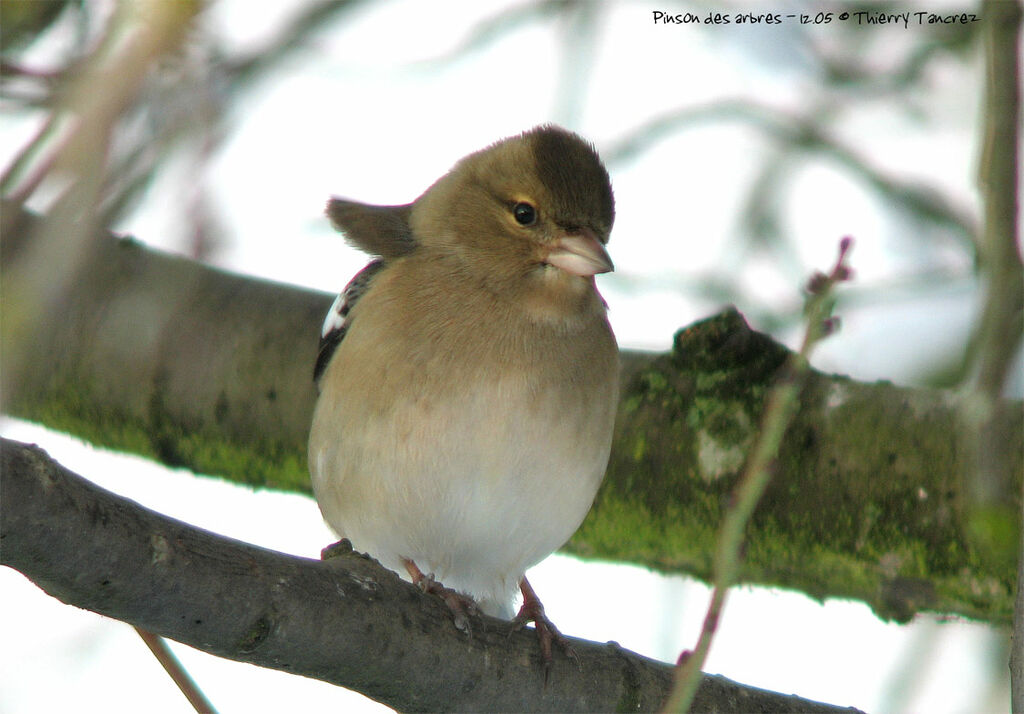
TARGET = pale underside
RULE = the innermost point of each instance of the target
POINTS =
(479, 472)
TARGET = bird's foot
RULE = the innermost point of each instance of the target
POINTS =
(461, 606)
(532, 610)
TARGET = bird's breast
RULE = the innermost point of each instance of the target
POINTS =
(477, 445)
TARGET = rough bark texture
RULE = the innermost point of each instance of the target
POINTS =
(195, 367)
(866, 501)
(346, 620)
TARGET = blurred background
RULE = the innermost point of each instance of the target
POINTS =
(740, 154)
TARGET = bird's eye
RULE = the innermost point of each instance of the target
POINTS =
(525, 214)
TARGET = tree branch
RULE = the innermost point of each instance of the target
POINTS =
(346, 620)
(194, 367)
(997, 337)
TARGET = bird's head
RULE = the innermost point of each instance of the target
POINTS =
(530, 214)
(537, 201)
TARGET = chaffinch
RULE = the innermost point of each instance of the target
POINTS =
(468, 375)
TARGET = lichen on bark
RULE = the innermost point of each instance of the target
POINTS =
(865, 502)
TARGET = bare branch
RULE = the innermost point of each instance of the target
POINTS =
(346, 620)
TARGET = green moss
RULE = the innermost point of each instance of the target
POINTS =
(627, 530)
(266, 463)
(630, 404)
(895, 583)
(654, 381)
(71, 410)
(639, 447)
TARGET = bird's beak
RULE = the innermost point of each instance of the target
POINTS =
(580, 253)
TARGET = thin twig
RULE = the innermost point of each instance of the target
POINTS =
(173, 667)
(781, 405)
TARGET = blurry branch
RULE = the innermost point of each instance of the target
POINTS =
(803, 134)
(579, 32)
(494, 28)
(176, 97)
(242, 71)
(116, 111)
(1001, 324)
(137, 36)
(578, 39)
(71, 148)
(994, 518)
(29, 87)
(24, 86)
(762, 223)
(346, 620)
(22, 20)
(194, 367)
(781, 406)
(188, 104)
(844, 57)
(199, 367)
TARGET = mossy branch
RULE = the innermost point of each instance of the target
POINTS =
(195, 367)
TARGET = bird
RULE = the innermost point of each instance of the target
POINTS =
(468, 375)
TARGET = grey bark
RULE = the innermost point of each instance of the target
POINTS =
(345, 620)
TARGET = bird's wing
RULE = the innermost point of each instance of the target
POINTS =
(337, 322)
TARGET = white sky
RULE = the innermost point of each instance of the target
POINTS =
(348, 117)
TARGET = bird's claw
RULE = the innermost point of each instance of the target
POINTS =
(461, 606)
(547, 634)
